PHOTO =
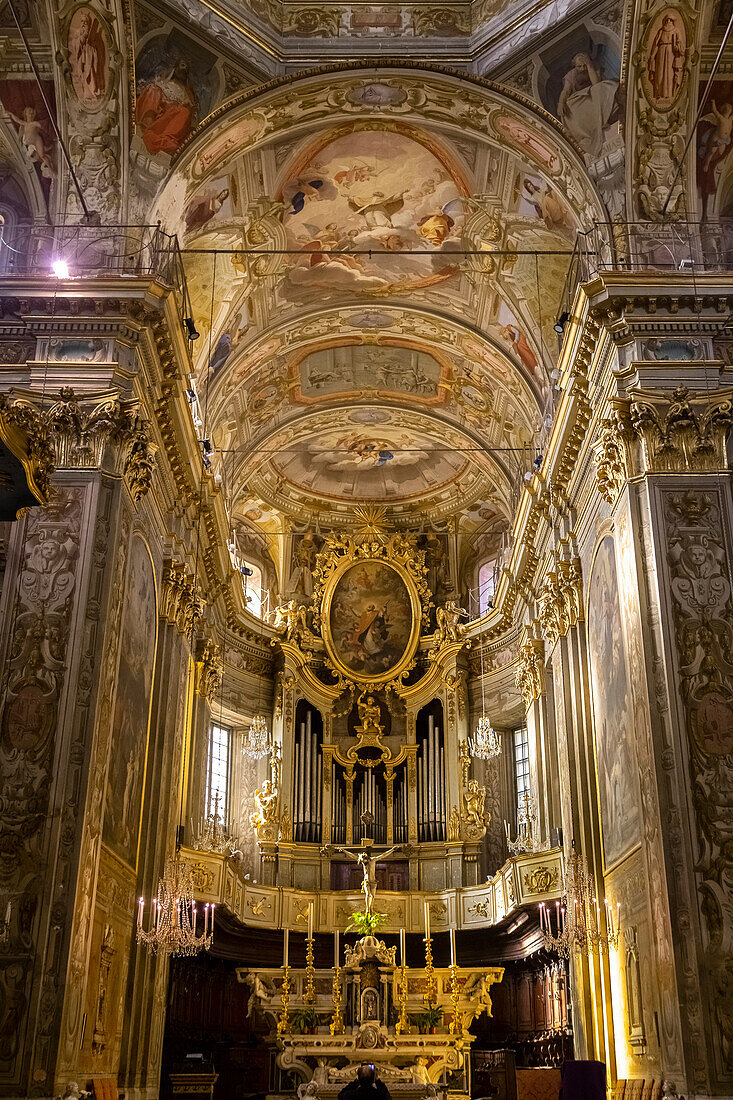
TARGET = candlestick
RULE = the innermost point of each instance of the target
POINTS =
(453, 947)
(337, 1020)
(286, 939)
(403, 1025)
(431, 985)
(282, 1023)
(456, 1024)
(309, 994)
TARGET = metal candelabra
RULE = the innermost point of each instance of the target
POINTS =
(282, 1023)
(403, 1025)
(309, 994)
(431, 984)
(337, 1020)
(456, 1024)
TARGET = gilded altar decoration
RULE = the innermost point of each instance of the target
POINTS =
(471, 821)
(290, 622)
(371, 600)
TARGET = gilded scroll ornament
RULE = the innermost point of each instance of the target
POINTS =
(540, 880)
(210, 671)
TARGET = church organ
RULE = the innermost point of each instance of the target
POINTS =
(431, 820)
(308, 775)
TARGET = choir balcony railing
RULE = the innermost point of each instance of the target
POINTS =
(75, 251)
(676, 246)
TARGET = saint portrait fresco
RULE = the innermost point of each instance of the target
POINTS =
(129, 736)
(582, 90)
(612, 711)
(371, 189)
(665, 58)
(370, 619)
(174, 92)
(89, 58)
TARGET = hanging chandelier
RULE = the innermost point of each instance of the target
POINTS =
(257, 739)
(213, 837)
(485, 743)
(575, 925)
(175, 916)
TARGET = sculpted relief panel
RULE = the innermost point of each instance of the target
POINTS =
(702, 612)
(40, 613)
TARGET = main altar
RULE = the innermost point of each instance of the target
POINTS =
(411, 1024)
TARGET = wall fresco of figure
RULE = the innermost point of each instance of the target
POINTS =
(612, 710)
(123, 795)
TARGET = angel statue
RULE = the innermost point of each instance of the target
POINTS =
(368, 864)
(290, 621)
(449, 627)
(265, 817)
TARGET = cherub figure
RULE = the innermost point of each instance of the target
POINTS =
(33, 137)
(721, 136)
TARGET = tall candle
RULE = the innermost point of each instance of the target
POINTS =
(139, 913)
(427, 920)
(310, 920)
(403, 950)
(453, 947)
(336, 950)
(286, 937)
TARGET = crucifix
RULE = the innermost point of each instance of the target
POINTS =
(367, 859)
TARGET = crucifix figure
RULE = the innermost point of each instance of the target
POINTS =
(367, 860)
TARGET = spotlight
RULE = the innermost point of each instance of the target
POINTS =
(528, 475)
(206, 461)
(190, 328)
(561, 322)
(206, 444)
(191, 395)
(246, 571)
(61, 269)
(537, 462)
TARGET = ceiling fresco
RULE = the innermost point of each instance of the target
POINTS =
(375, 263)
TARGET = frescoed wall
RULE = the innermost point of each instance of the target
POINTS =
(612, 710)
(123, 795)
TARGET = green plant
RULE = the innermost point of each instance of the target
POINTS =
(304, 1020)
(430, 1018)
(366, 924)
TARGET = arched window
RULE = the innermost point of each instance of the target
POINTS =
(487, 575)
(252, 586)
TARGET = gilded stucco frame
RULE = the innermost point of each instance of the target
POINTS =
(396, 553)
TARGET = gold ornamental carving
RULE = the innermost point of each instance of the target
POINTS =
(530, 674)
(210, 671)
(610, 458)
(182, 605)
(99, 434)
(561, 600)
(471, 820)
(687, 433)
(540, 880)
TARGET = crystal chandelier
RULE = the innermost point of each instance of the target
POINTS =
(485, 743)
(213, 837)
(576, 924)
(257, 739)
(524, 840)
(175, 916)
